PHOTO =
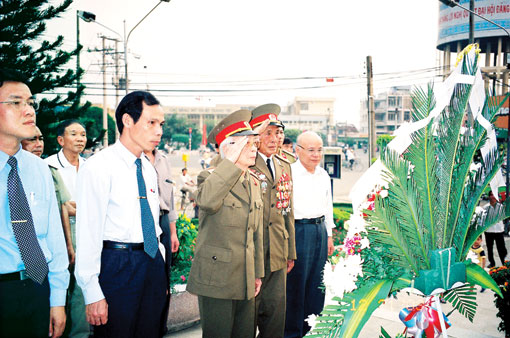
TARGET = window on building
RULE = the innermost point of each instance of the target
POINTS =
(391, 116)
(391, 128)
(407, 116)
(303, 106)
(392, 102)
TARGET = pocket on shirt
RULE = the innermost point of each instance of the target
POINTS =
(213, 265)
(232, 212)
(40, 209)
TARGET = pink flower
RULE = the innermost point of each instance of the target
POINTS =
(183, 278)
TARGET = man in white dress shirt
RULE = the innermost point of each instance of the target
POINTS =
(72, 137)
(118, 264)
(313, 213)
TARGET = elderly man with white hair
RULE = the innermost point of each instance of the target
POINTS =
(313, 213)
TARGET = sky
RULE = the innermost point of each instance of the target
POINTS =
(203, 52)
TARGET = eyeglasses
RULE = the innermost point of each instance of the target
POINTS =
(19, 104)
(311, 150)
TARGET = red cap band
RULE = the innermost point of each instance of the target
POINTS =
(260, 119)
(232, 129)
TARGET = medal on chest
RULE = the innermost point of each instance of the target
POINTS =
(283, 189)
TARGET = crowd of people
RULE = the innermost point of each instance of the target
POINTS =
(86, 244)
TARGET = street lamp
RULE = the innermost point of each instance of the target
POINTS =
(126, 39)
(87, 17)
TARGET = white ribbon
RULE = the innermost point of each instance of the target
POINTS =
(442, 93)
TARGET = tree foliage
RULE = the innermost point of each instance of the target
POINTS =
(176, 125)
(41, 62)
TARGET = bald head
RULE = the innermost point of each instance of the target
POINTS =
(308, 136)
(309, 150)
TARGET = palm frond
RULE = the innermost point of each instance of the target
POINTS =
(384, 231)
(404, 197)
(463, 299)
(448, 145)
(485, 221)
(421, 153)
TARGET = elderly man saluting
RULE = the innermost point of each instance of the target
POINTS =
(313, 213)
(229, 263)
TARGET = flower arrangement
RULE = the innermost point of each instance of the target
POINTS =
(501, 275)
(181, 261)
(345, 265)
(417, 231)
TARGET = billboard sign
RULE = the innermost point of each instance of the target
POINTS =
(454, 21)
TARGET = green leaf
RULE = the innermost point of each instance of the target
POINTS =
(364, 302)
(463, 300)
(384, 334)
(476, 275)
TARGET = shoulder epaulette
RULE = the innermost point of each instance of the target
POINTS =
(52, 167)
(280, 157)
(289, 154)
(252, 173)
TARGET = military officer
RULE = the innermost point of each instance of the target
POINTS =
(228, 266)
(279, 237)
(282, 152)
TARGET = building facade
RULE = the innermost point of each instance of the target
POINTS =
(303, 113)
(392, 108)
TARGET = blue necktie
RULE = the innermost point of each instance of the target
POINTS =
(23, 226)
(150, 243)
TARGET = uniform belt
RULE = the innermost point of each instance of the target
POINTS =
(163, 212)
(317, 220)
(122, 246)
(18, 275)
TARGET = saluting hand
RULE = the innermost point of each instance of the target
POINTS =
(261, 127)
(232, 149)
(97, 313)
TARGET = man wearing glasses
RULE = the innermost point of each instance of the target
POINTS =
(313, 212)
(33, 255)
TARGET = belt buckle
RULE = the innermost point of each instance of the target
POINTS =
(23, 275)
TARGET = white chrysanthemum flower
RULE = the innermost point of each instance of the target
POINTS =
(311, 321)
(383, 193)
(365, 243)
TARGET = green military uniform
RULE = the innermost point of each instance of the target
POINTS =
(290, 157)
(61, 191)
(215, 161)
(229, 250)
(279, 246)
(279, 234)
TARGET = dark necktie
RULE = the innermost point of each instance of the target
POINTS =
(150, 243)
(268, 162)
(23, 226)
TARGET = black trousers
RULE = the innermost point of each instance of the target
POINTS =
(304, 296)
(164, 222)
(134, 286)
(499, 238)
(24, 309)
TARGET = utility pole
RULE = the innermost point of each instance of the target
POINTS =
(116, 85)
(105, 108)
(471, 22)
(371, 113)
